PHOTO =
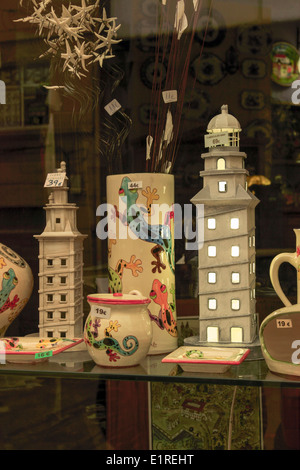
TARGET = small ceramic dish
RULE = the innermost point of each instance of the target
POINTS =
(206, 359)
(33, 349)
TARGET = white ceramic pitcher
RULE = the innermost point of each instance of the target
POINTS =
(294, 260)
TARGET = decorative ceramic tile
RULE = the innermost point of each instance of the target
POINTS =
(199, 417)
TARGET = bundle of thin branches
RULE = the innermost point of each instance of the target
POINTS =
(173, 48)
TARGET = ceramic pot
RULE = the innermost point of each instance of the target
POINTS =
(141, 247)
(118, 329)
(280, 340)
(15, 288)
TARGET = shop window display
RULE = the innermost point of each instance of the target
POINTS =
(100, 108)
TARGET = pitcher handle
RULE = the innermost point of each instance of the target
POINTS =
(274, 269)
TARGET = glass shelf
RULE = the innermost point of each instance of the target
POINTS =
(78, 364)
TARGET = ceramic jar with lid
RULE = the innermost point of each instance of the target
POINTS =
(118, 329)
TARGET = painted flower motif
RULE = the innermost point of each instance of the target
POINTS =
(298, 250)
(96, 325)
(113, 356)
(17, 310)
(46, 343)
(11, 343)
(113, 325)
(14, 302)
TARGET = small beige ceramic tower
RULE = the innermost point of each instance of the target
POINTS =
(227, 259)
(60, 265)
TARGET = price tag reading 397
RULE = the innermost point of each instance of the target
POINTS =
(99, 311)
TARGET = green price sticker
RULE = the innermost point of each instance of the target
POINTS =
(43, 354)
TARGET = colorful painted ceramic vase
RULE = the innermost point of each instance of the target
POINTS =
(16, 286)
(141, 247)
(118, 329)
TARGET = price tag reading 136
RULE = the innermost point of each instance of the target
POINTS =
(99, 311)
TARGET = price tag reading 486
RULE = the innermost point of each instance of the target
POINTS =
(100, 311)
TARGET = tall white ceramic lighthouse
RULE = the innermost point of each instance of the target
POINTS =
(226, 263)
(60, 264)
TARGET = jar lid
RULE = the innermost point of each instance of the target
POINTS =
(118, 299)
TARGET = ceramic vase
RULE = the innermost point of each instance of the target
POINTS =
(118, 329)
(141, 247)
(279, 331)
(16, 286)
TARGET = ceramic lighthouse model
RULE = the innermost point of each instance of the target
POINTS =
(227, 306)
(60, 264)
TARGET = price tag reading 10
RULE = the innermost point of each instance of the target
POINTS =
(54, 180)
(99, 311)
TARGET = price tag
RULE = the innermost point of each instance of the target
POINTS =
(43, 354)
(54, 180)
(169, 96)
(216, 139)
(135, 185)
(284, 323)
(112, 107)
(100, 312)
